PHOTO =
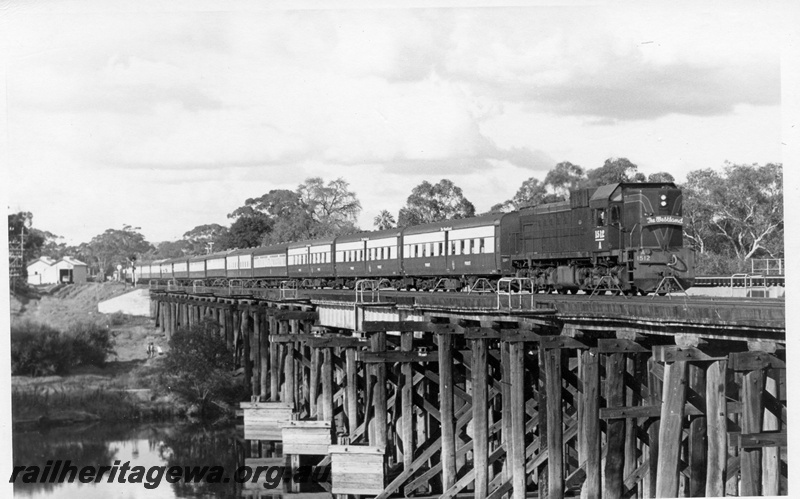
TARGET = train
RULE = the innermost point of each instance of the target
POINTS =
(621, 237)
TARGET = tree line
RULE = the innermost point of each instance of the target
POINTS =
(730, 216)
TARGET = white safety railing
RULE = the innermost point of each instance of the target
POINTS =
(373, 286)
(767, 266)
(288, 290)
(750, 283)
(515, 287)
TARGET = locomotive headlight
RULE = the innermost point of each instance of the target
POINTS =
(663, 197)
(663, 203)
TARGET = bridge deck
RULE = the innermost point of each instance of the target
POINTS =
(445, 394)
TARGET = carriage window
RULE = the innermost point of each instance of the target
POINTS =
(453, 248)
(600, 217)
(416, 250)
(464, 248)
(441, 249)
(483, 245)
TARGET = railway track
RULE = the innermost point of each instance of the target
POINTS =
(739, 280)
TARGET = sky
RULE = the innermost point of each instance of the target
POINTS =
(169, 115)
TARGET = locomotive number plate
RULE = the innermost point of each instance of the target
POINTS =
(599, 235)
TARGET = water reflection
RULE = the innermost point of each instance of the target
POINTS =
(159, 445)
(147, 446)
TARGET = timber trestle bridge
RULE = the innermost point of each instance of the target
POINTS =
(446, 395)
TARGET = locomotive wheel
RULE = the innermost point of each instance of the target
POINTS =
(573, 291)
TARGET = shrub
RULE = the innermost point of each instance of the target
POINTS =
(198, 368)
(39, 350)
(715, 264)
(118, 319)
(92, 344)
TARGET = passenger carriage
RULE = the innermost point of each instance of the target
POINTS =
(373, 255)
(269, 264)
(311, 262)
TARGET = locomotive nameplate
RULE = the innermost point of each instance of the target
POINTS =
(663, 219)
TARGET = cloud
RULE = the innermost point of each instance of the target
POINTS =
(642, 91)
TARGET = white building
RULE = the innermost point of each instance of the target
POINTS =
(71, 270)
(67, 270)
(41, 271)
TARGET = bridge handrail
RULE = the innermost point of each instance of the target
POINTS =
(520, 281)
(288, 287)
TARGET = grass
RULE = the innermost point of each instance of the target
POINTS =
(64, 404)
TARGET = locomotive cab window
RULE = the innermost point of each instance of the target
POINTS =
(614, 214)
(600, 217)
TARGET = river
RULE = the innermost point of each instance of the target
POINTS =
(153, 447)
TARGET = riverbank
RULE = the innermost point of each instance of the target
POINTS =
(123, 390)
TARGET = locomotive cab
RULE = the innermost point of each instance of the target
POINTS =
(637, 237)
(653, 228)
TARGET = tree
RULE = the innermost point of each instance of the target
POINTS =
(384, 220)
(738, 212)
(54, 246)
(434, 202)
(333, 207)
(21, 225)
(563, 178)
(198, 367)
(114, 247)
(697, 211)
(613, 170)
(200, 239)
(246, 232)
(169, 249)
(315, 209)
(749, 208)
(504, 207)
(660, 177)
(532, 192)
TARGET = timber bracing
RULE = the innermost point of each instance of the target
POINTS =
(508, 406)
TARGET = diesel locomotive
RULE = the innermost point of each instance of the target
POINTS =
(623, 237)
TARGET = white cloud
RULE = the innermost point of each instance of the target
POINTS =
(223, 103)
